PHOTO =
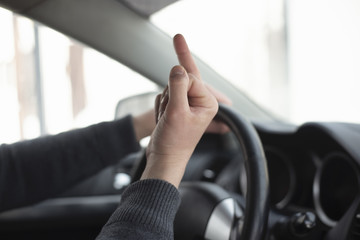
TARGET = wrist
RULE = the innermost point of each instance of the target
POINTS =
(170, 171)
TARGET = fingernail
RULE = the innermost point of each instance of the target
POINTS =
(177, 70)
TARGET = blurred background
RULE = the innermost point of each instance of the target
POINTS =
(299, 59)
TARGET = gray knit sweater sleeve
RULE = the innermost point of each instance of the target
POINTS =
(146, 211)
(34, 170)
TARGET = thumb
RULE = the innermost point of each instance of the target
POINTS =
(178, 88)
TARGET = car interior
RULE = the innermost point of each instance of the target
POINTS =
(266, 179)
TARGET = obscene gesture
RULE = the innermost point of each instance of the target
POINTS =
(184, 111)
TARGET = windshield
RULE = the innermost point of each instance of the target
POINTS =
(298, 59)
(50, 83)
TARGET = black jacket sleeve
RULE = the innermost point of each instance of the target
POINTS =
(147, 211)
(33, 170)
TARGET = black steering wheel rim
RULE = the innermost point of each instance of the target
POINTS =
(257, 195)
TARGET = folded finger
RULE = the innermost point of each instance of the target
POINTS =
(163, 102)
(220, 97)
(157, 105)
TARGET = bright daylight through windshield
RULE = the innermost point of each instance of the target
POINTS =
(298, 59)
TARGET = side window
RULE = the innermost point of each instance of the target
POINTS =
(50, 83)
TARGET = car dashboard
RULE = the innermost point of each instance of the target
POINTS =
(314, 168)
(313, 172)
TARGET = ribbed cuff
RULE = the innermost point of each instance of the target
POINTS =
(151, 204)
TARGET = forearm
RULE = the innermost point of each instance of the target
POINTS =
(33, 170)
(147, 211)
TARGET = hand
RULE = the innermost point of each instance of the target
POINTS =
(186, 60)
(184, 111)
(144, 124)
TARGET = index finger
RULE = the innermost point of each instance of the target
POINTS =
(184, 55)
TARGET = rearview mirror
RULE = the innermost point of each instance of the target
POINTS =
(135, 105)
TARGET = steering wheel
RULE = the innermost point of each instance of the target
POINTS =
(206, 208)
